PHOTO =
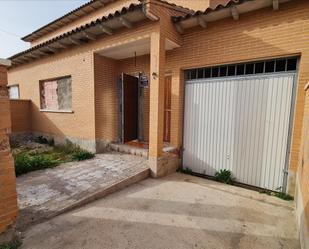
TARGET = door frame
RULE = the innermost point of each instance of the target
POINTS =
(121, 113)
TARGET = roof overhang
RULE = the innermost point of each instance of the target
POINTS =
(73, 15)
(5, 62)
(125, 18)
(232, 8)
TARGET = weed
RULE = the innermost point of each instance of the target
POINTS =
(82, 155)
(186, 171)
(280, 195)
(224, 176)
(13, 245)
(26, 162)
(284, 196)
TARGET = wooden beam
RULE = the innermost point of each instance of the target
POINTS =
(276, 4)
(89, 35)
(234, 13)
(202, 22)
(125, 22)
(106, 29)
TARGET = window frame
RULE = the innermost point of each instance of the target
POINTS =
(55, 110)
(14, 85)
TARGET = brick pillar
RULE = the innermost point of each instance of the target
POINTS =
(8, 196)
(156, 115)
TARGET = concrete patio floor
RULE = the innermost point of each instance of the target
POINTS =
(178, 211)
(46, 193)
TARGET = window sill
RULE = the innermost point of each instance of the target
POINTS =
(56, 111)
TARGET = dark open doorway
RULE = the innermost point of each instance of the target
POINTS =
(128, 108)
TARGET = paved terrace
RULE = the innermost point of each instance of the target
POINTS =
(47, 193)
(175, 212)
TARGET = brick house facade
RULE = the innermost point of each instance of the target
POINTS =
(142, 37)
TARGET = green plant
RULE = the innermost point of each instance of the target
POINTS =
(82, 155)
(284, 196)
(224, 176)
(186, 171)
(26, 162)
(13, 245)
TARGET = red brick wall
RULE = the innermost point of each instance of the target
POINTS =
(8, 197)
(21, 115)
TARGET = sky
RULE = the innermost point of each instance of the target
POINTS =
(21, 17)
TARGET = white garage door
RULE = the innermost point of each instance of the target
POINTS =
(240, 123)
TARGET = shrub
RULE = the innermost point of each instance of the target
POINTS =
(26, 162)
(82, 155)
(224, 176)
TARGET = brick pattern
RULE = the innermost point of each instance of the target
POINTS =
(8, 198)
(80, 123)
(106, 98)
(21, 115)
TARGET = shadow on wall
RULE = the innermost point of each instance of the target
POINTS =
(28, 121)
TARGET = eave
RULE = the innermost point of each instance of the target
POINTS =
(125, 18)
(73, 15)
(231, 8)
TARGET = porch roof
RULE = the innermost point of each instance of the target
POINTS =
(221, 9)
(124, 18)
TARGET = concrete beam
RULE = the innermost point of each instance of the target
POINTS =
(125, 22)
(276, 4)
(106, 29)
(179, 28)
(89, 35)
(202, 22)
(234, 13)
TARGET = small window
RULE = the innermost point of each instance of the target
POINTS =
(200, 73)
(223, 71)
(231, 71)
(56, 94)
(269, 66)
(259, 67)
(14, 92)
(280, 65)
(193, 74)
(207, 72)
(240, 69)
(291, 64)
(215, 72)
(250, 68)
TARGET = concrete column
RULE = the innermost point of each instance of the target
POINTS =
(157, 63)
